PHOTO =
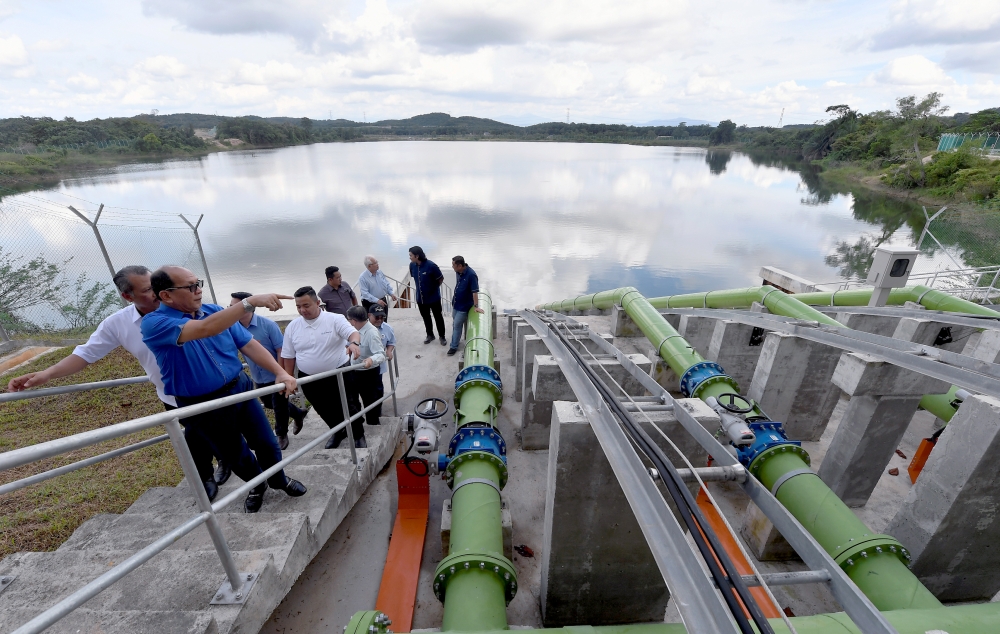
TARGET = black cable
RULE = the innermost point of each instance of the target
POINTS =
(686, 505)
(407, 459)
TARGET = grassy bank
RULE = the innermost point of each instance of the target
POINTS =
(19, 172)
(43, 516)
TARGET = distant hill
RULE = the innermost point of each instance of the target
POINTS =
(678, 121)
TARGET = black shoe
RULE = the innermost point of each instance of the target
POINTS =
(361, 443)
(283, 442)
(334, 442)
(444, 342)
(297, 423)
(222, 473)
(294, 488)
(452, 351)
(211, 488)
(255, 499)
(429, 339)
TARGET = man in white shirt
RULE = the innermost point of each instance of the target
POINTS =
(374, 287)
(319, 341)
(122, 329)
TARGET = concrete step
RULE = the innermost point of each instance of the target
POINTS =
(277, 543)
(174, 580)
(152, 622)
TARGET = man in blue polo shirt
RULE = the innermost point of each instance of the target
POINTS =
(465, 299)
(427, 279)
(197, 349)
(269, 335)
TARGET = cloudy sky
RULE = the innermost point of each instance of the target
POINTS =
(521, 61)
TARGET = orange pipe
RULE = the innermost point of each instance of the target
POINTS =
(767, 607)
(920, 457)
(397, 593)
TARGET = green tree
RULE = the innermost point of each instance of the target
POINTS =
(725, 132)
(87, 303)
(150, 143)
(24, 284)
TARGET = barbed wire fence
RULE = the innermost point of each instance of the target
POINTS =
(58, 254)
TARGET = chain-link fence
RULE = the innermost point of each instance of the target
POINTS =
(57, 259)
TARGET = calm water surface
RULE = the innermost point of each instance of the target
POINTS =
(538, 221)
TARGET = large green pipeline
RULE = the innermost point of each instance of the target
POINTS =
(874, 562)
(475, 580)
(959, 619)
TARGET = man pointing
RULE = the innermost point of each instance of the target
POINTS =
(196, 346)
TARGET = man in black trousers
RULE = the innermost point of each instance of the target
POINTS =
(427, 278)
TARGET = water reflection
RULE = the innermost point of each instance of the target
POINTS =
(538, 221)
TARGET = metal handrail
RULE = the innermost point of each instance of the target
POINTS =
(170, 419)
(69, 389)
(447, 295)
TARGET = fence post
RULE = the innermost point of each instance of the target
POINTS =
(204, 506)
(5, 337)
(204, 263)
(100, 242)
(347, 415)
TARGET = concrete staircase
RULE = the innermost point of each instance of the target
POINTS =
(171, 592)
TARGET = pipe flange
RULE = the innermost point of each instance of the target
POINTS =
(462, 458)
(458, 563)
(698, 374)
(728, 380)
(486, 434)
(479, 376)
(774, 450)
(369, 622)
(846, 555)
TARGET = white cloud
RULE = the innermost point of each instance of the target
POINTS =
(162, 66)
(12, 52)
(916, 22)
(46, 46)
(912, 70)
(84, 82)
(833, 83)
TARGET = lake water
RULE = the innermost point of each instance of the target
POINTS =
(538, 221)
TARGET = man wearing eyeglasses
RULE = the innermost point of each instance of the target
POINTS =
(197, 348)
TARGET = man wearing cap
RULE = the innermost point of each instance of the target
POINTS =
(372, 356)
(269, 335)
(197, 348)
(377, 319)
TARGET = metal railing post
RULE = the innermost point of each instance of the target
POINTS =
(201, 499)
(347, 416)
(392, 386)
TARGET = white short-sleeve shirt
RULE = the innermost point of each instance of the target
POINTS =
(318, 345)
(122, 329)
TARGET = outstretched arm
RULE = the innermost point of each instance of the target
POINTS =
(70, 365)
(222, 320)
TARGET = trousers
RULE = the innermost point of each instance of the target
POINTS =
(282, 409)
(370, 389)
(324, 395)
(425, 313)
(240, 434)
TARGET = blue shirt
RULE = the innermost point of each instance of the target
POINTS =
(466, 283)
(374, 287)
(269, 335)
(388, 339)
(425, 277)
(195, 367)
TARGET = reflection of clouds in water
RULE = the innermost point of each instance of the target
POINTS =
(538, 221)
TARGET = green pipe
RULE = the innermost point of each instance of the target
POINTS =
(957, 619)
(880, 573)
(927, 297)
(475, 580)
(774, 299)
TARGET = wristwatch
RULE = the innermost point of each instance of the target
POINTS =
(247, 306)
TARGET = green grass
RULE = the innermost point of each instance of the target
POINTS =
(43, 516)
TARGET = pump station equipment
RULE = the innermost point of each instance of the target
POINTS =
(890, 269)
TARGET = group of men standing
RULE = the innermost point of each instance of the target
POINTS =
(192, 351)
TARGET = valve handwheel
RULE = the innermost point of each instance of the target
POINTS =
(729, 400)
(427, 409)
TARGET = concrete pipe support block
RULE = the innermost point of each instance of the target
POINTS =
(591, 539)
(875, 324)
(732, 347)
(622, 325)
(950, 518)
(928, 332)
(697, 331)
(792, 384)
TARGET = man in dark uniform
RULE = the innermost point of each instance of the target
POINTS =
(427, 278)
(196, 347)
